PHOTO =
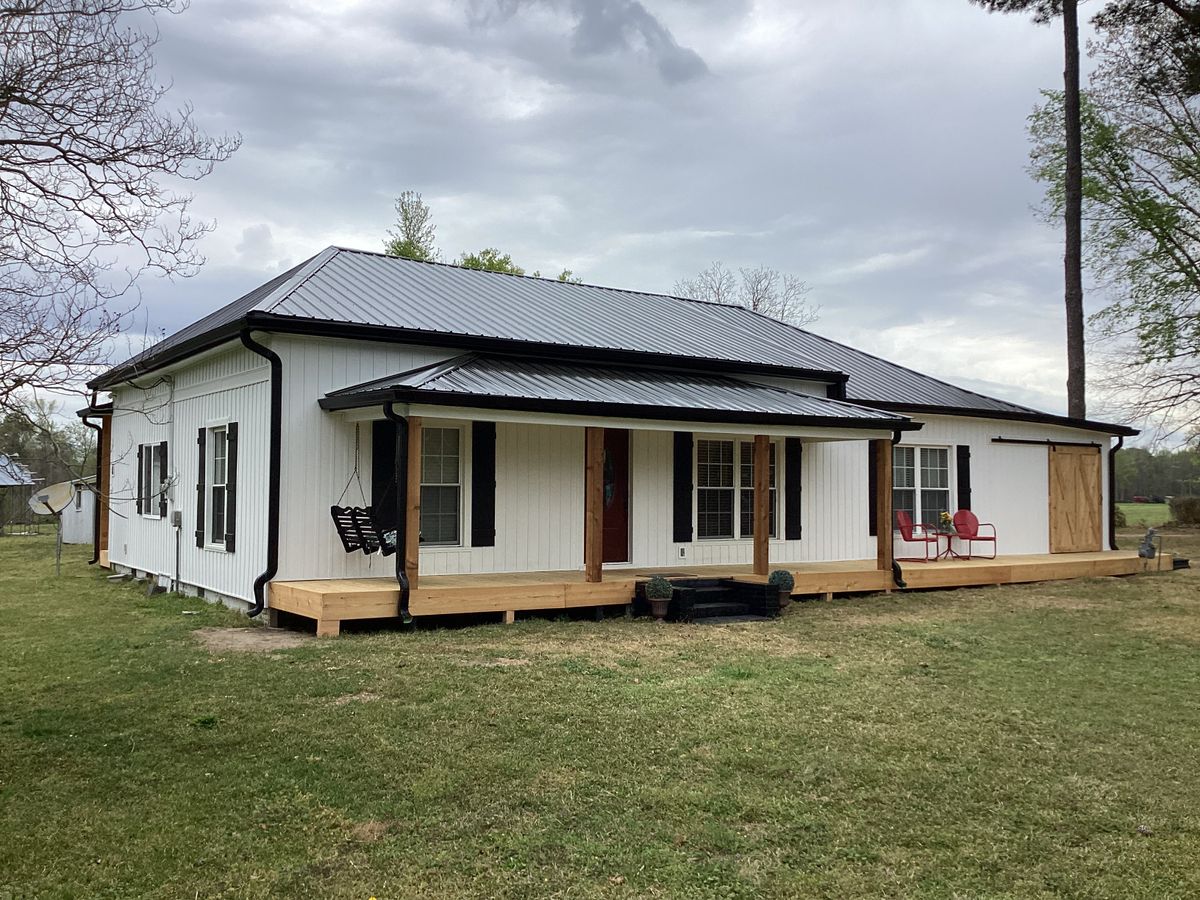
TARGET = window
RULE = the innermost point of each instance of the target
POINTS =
(725, 497)
(79, 489)
(921, 482)
(747, 483)
(218, 495)
(441, 485)
(150, 480)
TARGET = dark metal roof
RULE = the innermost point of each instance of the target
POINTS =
(353, 293)
(520, 383)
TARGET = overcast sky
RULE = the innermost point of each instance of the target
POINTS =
(875, 149)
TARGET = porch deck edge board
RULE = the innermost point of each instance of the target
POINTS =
(332, 600)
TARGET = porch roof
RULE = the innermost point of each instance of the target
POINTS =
(516, 383)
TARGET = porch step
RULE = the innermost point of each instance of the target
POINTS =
(718, 609)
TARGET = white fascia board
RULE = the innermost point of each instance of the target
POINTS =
(461, 413)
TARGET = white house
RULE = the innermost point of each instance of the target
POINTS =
(559, 435)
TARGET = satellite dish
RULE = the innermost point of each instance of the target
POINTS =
(52, 499)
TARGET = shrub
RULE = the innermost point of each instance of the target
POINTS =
(1119, 518)
(1186, 510)
(782, 579)
(658, 588)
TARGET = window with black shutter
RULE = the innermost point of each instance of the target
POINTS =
(201, 460)
(231, 486)
(162, 479)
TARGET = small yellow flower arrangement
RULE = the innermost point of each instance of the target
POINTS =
(947, 520)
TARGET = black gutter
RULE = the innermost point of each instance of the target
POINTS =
(1045, 443)
(263, 321)
(1112, 492)
(609, 410)
(1007, 415)
(96, 505)
(401, 476)
(275, 458)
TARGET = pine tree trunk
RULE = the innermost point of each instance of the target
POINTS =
(1073, 216)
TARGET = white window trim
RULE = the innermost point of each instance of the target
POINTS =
(736, 440)
(464, 450)
(951, 488)
(210, 447)
(149, 495)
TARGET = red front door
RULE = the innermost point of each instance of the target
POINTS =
(616, 495)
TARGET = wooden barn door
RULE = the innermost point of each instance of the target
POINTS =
(1075, 499)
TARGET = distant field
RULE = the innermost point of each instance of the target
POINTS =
(1145, 514)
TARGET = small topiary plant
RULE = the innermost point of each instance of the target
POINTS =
(782, 579)
(658, 588)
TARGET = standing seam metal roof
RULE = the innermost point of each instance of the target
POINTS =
(359, 288)
(517, 378)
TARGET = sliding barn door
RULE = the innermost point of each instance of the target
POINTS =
(1075, 499)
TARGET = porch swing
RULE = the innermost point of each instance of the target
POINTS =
(357, 526)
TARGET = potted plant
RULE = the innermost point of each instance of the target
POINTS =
(783, 580)
(658, 592)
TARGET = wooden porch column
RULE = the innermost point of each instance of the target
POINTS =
(593, 505)
(412, 519)
(762, 504)
(883, 505)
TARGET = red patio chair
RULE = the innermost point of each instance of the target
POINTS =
(967, 525)
(916, 534)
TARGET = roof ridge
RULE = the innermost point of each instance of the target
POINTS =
(313, 264)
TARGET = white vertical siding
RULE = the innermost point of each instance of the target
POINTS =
(225, 387)
(78, 525)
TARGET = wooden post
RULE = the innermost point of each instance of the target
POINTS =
(883, 505)
(593, 505)
(412, 520)
(762, 504)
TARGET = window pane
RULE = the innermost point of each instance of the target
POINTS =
(935, 468)
(904, 499)
(933, 504)
(714, 512)
(217, 535)
(904, 467)
(747, 516)
(714, 464)
(439, 456)
(439, 514)
(218, 472)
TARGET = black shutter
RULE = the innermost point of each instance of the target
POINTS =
(793, 455)
(383, 474)
(141, 476)
(231, 481)
(483, 484)
(872, 488)
(964, 476)
(162, 479)
(200, 454)
(682, 488)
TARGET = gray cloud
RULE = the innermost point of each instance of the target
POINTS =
(877, 150)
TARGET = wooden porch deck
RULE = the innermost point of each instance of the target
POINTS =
(331, 601)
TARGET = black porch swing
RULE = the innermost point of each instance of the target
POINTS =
(358, 527)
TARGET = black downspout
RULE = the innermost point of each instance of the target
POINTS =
(260, 583)
(897, 572)
(401, 476)
(1112, 492)
(96, 501)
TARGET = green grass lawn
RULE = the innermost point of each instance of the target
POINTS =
(993, 742)
(1145, 515)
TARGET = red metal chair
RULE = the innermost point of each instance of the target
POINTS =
(916, 534)
(966, 527)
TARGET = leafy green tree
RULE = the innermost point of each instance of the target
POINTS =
(1141, 205)
(489, 259)
(413, 236)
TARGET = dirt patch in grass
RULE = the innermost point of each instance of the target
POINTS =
(368, 832)
(249, 640)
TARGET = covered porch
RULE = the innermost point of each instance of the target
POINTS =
(333, 601)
